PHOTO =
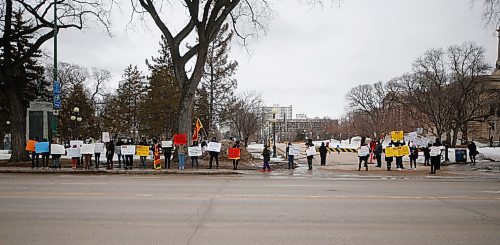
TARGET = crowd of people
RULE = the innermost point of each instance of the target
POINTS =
(126, 161)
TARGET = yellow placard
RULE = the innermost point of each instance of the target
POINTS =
(397, 135)
(142, 150)
(404, 151)
(390, 151)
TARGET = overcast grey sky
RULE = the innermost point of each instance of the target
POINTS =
(311, 56)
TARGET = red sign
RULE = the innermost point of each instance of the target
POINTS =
(180, 139)
(233, 153)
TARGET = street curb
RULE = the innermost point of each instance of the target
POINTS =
(118, 172)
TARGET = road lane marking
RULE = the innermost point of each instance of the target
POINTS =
(492, 192)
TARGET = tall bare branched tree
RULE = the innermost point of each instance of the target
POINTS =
(38, 29)
(244, 115)
(203, 23)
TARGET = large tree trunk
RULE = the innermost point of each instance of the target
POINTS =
(186, 114)
(18, 123)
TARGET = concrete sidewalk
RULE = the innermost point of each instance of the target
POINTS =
(103, 171)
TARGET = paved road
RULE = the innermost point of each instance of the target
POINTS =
(250, 209)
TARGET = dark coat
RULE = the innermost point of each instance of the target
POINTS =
(323, 150)
(266, 153)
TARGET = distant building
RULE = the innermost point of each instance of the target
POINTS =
(282, 112)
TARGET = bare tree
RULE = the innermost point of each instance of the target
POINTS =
(38, 28)
(244, 114)
(471, 98)
(491, 12)
(100, 78)
(368, 100)
(204, 22)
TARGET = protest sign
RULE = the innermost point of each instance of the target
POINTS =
(42, 147)
(311, 151)
(403, 151)
(293, 151)
(73, 152)
(180, 139)
(363, 151)
(233, 153)
(105, 137)
(435, 151)
(194, 151)
(30, 145)
(87, 149)
(78, 143)
(56, 149)
(397, 135)
(142, 150)
(390, 151)
(214, 146)
(167, 143)
(128, 150)
(99, 148)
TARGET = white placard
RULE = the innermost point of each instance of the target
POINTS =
(128, 150)
(412, 135)
(435, 151)
(165, 144)
(105, 137)
(194, 151)
(311, 151)
(214, 146)
(363, 151)
(99, 148)
(56, 149)
(293, 151)
(87, 149)
(78, 143)
(73, 152)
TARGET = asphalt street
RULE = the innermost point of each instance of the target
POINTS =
(247, 209)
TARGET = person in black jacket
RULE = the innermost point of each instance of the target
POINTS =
(378, 154)
(110, 152)
(388, 160)
(167, 153)
(322, 153)
(214, 155)
(472, 151)
(194, 158)
(435, 160)
(399, 159)
(427, 155)
(266, 153)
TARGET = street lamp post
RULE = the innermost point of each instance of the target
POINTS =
(76, 118)
(274, 132)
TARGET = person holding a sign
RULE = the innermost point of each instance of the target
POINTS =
(35, 158)
(427, 155)
(399, 159)
(156, 155)
(129, 159)
(56, 159)
(389, 155)
(363, 154)
(167, 152)
(194, 158)
(118, 150)
(143, 158)
(97, 154)
(310, 144)
(236, 161)
(435, 160)
(214, 155)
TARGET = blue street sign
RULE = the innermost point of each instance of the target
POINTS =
(57, 95)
